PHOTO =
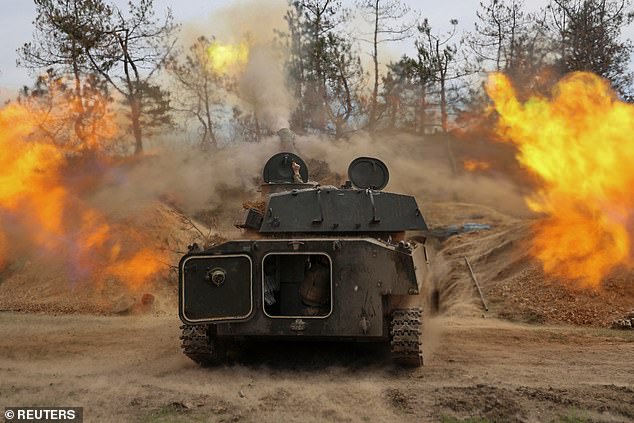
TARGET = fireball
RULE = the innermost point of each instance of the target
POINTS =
(578, 142)
(228, 58)
(44, 213)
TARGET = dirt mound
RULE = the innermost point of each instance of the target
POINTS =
(40, 284)
(513, 282)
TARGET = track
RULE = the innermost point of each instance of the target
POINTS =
(196, 345)
(405, 337)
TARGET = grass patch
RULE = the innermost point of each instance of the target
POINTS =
(564, 332)
(169, 414)
(573, 416)
(625, 335)
(449, 419)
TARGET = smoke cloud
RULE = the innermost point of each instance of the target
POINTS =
(262, 84)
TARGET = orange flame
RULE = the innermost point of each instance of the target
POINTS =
(40, 210)
(579, 144)
(28, 175)
(138, 268)
(474, 165)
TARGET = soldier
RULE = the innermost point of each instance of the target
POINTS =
(297, 178)
(315, 288)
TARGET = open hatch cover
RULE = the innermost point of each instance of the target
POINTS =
(278, 168)
(368, 172)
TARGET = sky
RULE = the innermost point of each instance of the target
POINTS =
(16, 25)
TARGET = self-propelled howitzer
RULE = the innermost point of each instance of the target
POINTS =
(318, 262)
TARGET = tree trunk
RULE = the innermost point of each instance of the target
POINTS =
(500, 45)
(423, 111)
(394, 106)
(563, 43)
(338, 128)
(135, 117)
(209, 129)
(258, 134)
(443, 103)
(79, 102)
(300, 88)
(321, 79)
(510, 63)
(375, 58)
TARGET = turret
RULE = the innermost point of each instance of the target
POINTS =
(293, 205)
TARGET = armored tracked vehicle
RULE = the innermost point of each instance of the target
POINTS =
(317, 263)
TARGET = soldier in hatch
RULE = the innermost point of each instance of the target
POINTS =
(297, 178)
(315, 288)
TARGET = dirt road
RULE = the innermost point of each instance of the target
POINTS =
(131, 369)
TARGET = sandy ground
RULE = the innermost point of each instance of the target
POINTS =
(131, 369)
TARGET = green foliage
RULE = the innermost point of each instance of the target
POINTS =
(589, 38)
(124, 49)
(324, 68)
(64, 31)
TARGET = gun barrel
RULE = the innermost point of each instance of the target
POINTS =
(287, 138)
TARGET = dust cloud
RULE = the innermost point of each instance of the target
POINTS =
(195, 180)
(419, 166)
(191, 180)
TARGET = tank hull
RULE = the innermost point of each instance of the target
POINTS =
(361, 281)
